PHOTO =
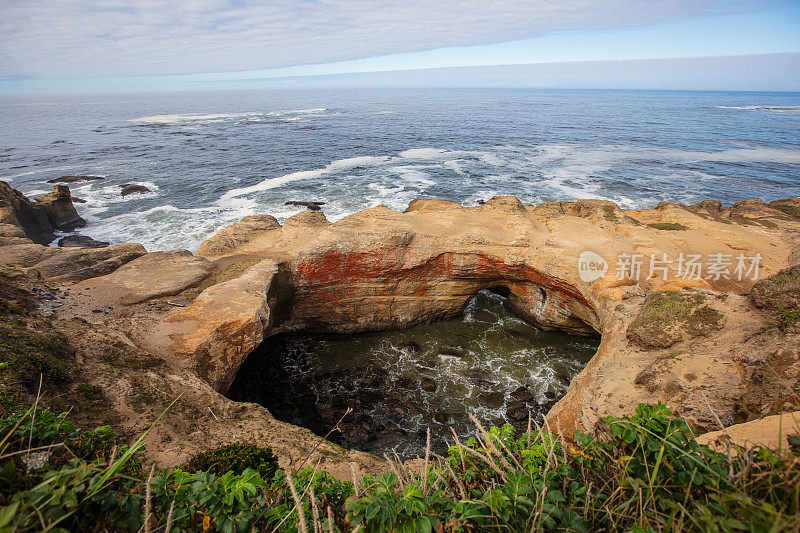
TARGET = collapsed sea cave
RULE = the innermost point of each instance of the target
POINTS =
(487, 364)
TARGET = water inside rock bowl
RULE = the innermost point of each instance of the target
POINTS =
(486, 363)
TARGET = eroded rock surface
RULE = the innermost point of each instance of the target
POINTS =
(721, 355)
(37, 221)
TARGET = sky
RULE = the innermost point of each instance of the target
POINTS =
(51, 46)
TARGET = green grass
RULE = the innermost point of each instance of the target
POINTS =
(640, 473)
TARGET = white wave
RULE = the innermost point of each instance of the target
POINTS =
(761, 107)
(422, 153)
(334, 166)
(37, 171)
(189, 117)
(99, 197)
(219, 117)
(743, 155)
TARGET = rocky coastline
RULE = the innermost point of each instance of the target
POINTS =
(146, 328)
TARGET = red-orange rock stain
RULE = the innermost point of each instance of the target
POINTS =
(383, 265)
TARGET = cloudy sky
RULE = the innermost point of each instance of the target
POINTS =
(85, 45)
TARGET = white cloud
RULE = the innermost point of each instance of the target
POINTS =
(95, 38)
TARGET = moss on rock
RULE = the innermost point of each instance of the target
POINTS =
(669, 226)
(666, 315)
(780, 291)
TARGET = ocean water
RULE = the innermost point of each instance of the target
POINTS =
(211, 158)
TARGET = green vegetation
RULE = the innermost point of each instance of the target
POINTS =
(669, 226)
(665, 313)
(29, 348)
(236, 457)
(609, 213)
(780, 291)
(640, 473)
(788, 317)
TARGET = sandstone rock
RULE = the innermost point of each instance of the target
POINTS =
(83, 241)
(669, 205)
(754, 211)
(428, 206)
(76, 264)
(790, 206)
(238, 234)
(59, 209)
(709, 206)
(780, 291)
(505, 203)
(133, 188)
(11, 230)
(306, 219)
(39, 219)
(158, 274)
(771, 432)
(225, 323)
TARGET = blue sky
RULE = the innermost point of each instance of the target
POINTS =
(113, 45)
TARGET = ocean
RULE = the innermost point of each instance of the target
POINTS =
(210, 158)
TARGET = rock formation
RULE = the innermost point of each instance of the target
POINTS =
(19, 217)
(75, 179)
(81, 241)
(714, 347)
(132, 188)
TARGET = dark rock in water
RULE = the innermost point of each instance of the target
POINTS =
(411, 347)
(313, 206)
(514, 333)
(427, 384)
(522, 394)
(516, 404)
(492, 400)
(133, 188)
(75, 179)
(481, 202)
(78, 200)
(83, 241)
(517, 414)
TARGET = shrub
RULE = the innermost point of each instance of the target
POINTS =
(643, 472)
(236, 457)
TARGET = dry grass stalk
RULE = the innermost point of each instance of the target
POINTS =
(147, 500)
(301, 516)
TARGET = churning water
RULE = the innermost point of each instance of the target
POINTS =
(486, 363)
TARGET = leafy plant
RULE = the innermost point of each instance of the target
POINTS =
(236, 457)
(642, 473)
